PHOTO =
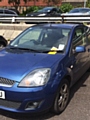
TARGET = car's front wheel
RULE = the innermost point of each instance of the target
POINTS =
(62, 97)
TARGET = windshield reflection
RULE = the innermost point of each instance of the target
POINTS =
(42, 39)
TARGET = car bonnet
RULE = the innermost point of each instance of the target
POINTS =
(15, 66)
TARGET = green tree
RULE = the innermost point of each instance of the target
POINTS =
(16, 3)
(66, 7)
(47, 2)
(55, 2)
(88, 1)
(25, 1)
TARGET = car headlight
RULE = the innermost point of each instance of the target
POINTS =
(38, 77)
(42, 14)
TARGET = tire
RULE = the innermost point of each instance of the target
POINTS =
(62, 97)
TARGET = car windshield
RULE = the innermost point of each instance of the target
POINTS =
(42, 39)
(79, 10)
(84, 10)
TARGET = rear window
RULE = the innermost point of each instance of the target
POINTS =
(8, 12)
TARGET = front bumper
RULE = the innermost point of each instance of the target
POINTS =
(27, 100)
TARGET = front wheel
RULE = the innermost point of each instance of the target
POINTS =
(62, 97)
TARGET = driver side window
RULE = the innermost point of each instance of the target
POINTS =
(79, 38)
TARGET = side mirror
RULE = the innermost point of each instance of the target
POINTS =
(80, 49)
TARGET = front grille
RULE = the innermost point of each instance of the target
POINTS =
(6, 82)
(9, 104)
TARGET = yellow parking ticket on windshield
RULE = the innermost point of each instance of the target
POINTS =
(53, 50)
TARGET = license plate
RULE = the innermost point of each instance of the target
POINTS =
(2, 94)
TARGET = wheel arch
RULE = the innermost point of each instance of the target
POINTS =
(68, 77)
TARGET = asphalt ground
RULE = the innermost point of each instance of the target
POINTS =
(77, 109)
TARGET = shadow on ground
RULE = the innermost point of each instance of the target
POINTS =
(45, 116)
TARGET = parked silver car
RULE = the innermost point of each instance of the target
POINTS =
(7, 13)
(78, 11)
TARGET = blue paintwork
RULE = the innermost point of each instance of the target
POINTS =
(23, 63)
(80, 49)
(15, 66)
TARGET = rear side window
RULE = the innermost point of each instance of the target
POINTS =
(54, 10)
(1, 11)
(79, 37)
(8, 12)
(74, 11)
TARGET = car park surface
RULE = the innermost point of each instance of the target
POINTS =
(67, 60)
(77, 109)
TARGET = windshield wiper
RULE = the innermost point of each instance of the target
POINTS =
(25, 49)
(35, 50)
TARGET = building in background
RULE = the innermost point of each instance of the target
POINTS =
(4, 3)
(75, 2)
(23, 5)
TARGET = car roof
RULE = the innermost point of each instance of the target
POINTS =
(49, 7)
(63, 25)
(80, 8)
(8, 10)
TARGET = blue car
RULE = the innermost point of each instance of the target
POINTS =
(38, 68)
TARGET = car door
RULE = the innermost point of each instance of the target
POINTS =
(53, 12)
(80, 61)
(1, 13)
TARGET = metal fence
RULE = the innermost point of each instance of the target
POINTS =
(61, 19)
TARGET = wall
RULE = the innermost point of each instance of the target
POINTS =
(10, 31)
(73, 0)
(29, 3)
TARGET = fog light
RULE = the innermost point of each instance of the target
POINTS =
(32, 105)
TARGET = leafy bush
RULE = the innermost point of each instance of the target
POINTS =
(31, 9)
(88, 5)
(66, 7)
